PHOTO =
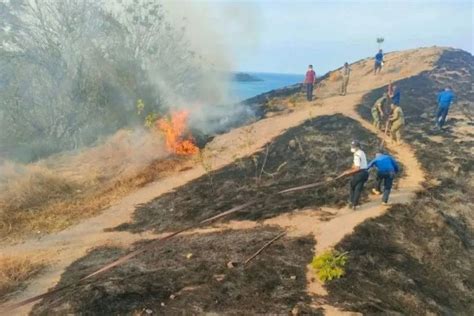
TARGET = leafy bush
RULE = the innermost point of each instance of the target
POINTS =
(329, 265)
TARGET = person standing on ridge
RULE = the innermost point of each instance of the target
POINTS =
(387, 168)
(359, 174)
(346, 71)
(445, 98)
(378, 62)
(377, 111)
(397, 122)
(309, 81)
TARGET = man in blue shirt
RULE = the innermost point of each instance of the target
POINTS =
(387, 167)
(378, 62)
(396, 95)
(445, 98)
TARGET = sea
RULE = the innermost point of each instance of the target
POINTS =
(270, 81)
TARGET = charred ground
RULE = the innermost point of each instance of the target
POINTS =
(167, 282)
(419, 258)
(314, 151)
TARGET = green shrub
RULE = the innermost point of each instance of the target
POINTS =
(329, 265)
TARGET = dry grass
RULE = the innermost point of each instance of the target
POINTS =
(334, 76)
(15, 271)
(53, 194)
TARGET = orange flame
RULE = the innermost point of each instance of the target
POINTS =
(174, 128)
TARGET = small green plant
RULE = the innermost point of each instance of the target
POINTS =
(329, 265)
(150, 119)
(140, 106)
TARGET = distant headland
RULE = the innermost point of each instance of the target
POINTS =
(244, 77)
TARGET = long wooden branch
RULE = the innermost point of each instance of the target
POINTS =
(263, 248)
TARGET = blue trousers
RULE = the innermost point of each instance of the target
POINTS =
(387, 179)
(441, 115)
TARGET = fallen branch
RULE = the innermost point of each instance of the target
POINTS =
(317, 184)
(152, 244)
(263, 248)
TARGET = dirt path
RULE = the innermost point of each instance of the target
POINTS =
(73, 243)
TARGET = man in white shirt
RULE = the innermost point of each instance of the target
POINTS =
(359, 174)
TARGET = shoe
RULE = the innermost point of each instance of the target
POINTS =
(376, 192)
(354, 207)
(384, 203)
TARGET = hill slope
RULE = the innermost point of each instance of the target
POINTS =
(311, 156)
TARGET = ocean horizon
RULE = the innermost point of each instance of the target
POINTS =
(243, 90)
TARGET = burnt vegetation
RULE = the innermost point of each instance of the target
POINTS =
(169, 281)
(419, 258)
(314, 151)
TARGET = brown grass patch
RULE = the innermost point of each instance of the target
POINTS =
(15, 271)
(53, 194)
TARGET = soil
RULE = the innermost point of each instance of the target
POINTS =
(419, 258)
(190, 276)
(315, 151)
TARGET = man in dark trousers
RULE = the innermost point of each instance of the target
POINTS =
(445, 98)
(359, 174)
(309, 81)
(387, 168)
(378, 62)
(345, 72)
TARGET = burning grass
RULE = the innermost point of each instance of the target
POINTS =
(14, 272)
(314, 151)
(167, 281)
(53, 194)
(177, 138)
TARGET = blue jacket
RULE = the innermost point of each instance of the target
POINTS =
(445, 98)
(396, 96)
(379, 57)
(384, 163)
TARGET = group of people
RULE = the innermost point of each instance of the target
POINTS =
(386, 166)
(387, 115)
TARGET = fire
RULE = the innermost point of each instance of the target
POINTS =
(175, 130)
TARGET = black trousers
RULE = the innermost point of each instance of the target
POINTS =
(356, 185)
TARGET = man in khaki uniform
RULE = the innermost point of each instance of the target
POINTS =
(397, 121)
(345, 72)
(378, 111)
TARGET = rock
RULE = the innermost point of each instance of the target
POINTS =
(293, 277)
(302, 309)
(219, 277)
(424, 115)
(172, 296)
(189, 256)
(148, 311)
(292, 144)
(231, 264)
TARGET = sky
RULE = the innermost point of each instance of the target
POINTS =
(284, 36)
